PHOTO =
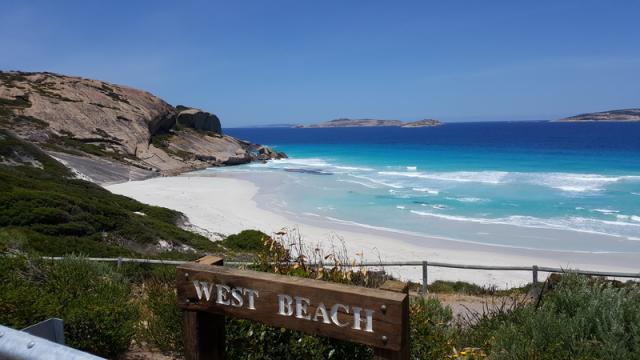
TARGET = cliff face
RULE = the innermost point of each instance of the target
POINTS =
(90, 119)
(612, 115)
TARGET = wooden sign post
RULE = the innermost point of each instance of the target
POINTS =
(207, 294)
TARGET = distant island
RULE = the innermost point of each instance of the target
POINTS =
(267, 126)
(372, 123)
(611, 115)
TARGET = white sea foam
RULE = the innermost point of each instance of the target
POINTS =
(412, 168)
(376, 181)
(605, 211)
(306, 163)
(427, 190)
(354, 168)
(489, 177)
(417, 234)
(359, 183)
(567, 182)
(467, 199)
(310, 214)
(628, 218)
(287, 163)
(570, 182)
(580, 224)
(400, 207)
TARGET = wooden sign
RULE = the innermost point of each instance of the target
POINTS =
(372, 317)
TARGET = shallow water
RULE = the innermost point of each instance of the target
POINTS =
(489, 183)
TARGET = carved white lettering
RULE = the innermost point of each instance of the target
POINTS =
(203, 288)
(284, 305)
(302, 307)
(357, 319)
(236, 297)
(321, 310)
(252, 301)
(334, 314)
(222, 297)
(226, 295)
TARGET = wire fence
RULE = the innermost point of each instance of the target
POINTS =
(534, 269)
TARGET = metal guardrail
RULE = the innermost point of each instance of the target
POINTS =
(535, 269)
(19, 345)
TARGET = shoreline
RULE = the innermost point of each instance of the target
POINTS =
(229, 203)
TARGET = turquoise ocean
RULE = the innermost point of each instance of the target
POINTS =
(534, 185)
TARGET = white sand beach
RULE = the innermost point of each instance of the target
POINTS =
(226, 204)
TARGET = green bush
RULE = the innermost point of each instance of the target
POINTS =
(580, 319)
(431, 330)
(440, 286)
(57, 214)
(94, 302)
(250, 340)
(246, 240)
(162, 326)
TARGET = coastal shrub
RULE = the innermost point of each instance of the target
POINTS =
(462, 287)
(57, 214)
(94, 301)
(162, 325)
(431, 329)
(246, 240)
(440, 286)
(250, 340)
(580, 319)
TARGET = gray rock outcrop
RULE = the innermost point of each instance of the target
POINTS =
(198, 119)
(96, 120)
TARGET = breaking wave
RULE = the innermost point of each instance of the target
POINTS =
(567, 182)
(580, 224)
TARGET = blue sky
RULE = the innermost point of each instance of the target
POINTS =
(299, 61)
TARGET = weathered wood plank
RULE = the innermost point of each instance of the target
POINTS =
(395, 285)
(210, 260)
(403, 353)
(203, 335)
(367, 316)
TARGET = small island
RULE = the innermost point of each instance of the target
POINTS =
(340, 123)
(421, 123)
(611, 115)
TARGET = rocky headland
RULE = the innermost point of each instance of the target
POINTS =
(115, 133)
(371, 123)
(611, 115)
(421, 123)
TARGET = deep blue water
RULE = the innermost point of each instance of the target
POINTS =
(575, 176)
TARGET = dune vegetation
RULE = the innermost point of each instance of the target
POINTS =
(134, 307)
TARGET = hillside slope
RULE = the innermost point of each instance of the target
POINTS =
(46, 209)
(137, 133)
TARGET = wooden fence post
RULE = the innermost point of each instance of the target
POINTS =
(535, 274)
(425, 278)
(204, 333)
(403, 354)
